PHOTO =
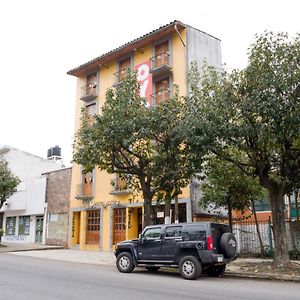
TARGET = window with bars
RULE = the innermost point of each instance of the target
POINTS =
(93, 227)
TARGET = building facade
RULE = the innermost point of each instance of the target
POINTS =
(23, 213)
(101, 210)
(58, 204)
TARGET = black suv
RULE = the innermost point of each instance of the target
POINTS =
(193, 247)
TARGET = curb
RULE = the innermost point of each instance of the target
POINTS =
(262, 276)
(30, 249)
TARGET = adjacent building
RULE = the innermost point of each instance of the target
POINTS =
(23, 213)
(57, 203)
(102, 212)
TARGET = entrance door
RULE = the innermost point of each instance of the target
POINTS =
(119, 227)
(39, 229)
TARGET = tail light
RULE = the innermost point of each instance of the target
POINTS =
(209, 241)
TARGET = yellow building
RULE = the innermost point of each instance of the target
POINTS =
(102, 212)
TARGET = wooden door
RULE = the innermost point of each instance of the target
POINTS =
(92, 227)
(162, 92)
(119, 225)
(162, 54)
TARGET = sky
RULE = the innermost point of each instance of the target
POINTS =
(41, 40)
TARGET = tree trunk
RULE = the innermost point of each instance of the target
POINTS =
(147, 210)
(229, 212)
(262, 249)
(176, 210)
(167, 210)
(281, 255)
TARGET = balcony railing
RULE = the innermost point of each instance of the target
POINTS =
(89, 92)
(84, 191)
(120, 187)
(160, 63)
(160, 96)
(121, 75)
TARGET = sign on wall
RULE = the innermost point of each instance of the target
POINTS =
(144, 77)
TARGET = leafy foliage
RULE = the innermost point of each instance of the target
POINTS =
(8, 182)
(256, 112)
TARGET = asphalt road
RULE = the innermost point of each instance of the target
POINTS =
(33, 278)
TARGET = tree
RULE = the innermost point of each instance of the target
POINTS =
(8, 182)
(137, 142)
(225, 185)
(256, 112)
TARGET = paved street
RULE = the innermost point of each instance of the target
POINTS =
(36, 278)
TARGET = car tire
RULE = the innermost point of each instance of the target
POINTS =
(125, 262)
(228, 245)
(217, 271)
(190, 268)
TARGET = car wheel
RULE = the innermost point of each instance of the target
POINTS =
(153, 269)
(125, 263)
(217, 271)
(190, 267)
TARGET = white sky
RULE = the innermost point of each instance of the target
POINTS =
(41, 40)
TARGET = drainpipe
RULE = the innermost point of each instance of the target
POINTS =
(182, 41)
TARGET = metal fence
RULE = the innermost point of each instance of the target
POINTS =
(248, 239)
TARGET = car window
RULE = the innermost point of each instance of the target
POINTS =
(174, 231)
(152, 233)
(195, 233)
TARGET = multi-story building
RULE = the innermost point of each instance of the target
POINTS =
(101, 212)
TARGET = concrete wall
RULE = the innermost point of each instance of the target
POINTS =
(58, 203)
(202, 46)
(29, 200)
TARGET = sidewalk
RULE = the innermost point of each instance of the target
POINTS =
(238, 268)
(16, 247)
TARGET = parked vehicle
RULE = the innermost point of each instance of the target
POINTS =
(191, 247)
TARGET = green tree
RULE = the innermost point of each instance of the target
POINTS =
(136, 142)
(257, 113)
(226, 186)
(8, 182)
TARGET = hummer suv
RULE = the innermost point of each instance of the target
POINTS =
(191, 247)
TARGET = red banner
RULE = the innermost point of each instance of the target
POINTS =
(144, 77)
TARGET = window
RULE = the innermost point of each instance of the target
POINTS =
(120, 183)
(173, 232)
(24, 225)
(90, 112)
(196, 233)
(93, 227)
(10, 226)
(162, 90)
(123, 66)
(152, 233)
(87, 184)
(91, 84)
(161, 54)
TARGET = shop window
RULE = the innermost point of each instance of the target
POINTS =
(10, 226)
(24, 225)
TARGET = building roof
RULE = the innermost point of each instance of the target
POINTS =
(136, 44)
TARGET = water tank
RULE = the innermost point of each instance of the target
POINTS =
(54, 151)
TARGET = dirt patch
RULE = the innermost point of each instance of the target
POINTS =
(269, 268)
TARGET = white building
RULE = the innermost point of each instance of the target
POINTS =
(23, 213)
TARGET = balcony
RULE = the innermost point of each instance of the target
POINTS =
(120, 187)
(160, 64)
(89, 92)
(120, 76)
(160, 96)
(84, 191)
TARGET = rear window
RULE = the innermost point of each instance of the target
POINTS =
(195, 232)
(219, 229)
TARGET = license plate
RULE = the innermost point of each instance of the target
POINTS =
(220, 259)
